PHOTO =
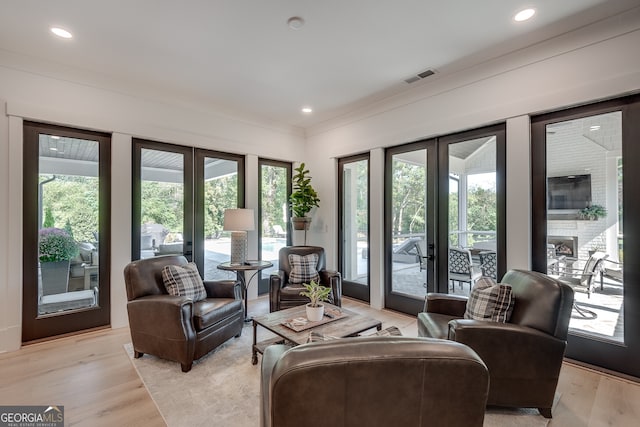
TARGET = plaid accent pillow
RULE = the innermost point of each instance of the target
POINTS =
(184, 280)
(490, 301)
(303, 268)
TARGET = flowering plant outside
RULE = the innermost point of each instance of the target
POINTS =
(56, 244)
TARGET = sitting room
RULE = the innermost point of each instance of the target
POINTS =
(320, 213)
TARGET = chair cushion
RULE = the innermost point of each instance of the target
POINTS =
(212, 310)
(490, 301)
(184, 280)
(303, 268)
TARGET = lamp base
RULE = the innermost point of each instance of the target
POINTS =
(238, 247)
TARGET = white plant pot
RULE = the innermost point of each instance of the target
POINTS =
(314, 314)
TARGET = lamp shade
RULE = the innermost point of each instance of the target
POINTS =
(238, 220)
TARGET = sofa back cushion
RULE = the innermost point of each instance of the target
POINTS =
(144, 276)
(376, 381)
(541, 302)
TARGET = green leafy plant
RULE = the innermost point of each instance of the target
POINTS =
(304, 197)
(55, 244)
(316, 293)
(593, 212)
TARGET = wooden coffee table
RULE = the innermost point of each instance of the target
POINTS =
(349, 325)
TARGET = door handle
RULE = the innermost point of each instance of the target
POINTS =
(431, 256)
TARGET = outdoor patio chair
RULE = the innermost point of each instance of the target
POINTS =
(583, 278)
(489, 264)
(461, 268)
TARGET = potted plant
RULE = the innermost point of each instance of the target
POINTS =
(316, 294)
(56, 248)
(593, 212)
(302, 199)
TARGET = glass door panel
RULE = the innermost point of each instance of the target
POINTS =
(472, 212)
(162, 200)
(354, 228)
(584, 231)
(275, 189)
(162, 203)
(410, 204)
(220, 193)
(68, 265)
(582, 163)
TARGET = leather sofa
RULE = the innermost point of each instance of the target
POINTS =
(175, 327)
(283, 294)
(524, 356)
(373, 382)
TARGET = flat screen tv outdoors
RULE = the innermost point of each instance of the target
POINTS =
(568, 192)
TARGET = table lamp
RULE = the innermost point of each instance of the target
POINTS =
(238, 221)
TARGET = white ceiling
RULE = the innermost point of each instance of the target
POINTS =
(240, 57)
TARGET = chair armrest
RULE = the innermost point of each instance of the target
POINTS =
(276, 280)
(332, 279)
(499, 344)
(452, 305)
(223, 289)
(271, 355)
(574, 271)
(162, 315)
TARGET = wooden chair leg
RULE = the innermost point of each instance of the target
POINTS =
(137, 354)
(186, 367)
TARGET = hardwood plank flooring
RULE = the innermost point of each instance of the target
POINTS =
(92, 376)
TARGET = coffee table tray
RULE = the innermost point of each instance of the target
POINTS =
(302, 323)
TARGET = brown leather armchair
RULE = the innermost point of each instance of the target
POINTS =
(373, 382)
(175, 327)
(283, 294)
(524, 356)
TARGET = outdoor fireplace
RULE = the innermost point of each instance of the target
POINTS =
(564, 246)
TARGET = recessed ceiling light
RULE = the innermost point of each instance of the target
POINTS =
(295, 22)
(55, 137)
(61, 32)
(594, 127)
(525, 14)
(53, 149)
(307, 110)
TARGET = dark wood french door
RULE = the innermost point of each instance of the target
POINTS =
(66, 230)
(584, 160)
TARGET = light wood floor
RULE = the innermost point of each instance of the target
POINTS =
(92, 376)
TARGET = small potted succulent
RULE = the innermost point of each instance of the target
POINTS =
(56, 248)
(316, 294)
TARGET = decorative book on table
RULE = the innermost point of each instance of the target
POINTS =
(301, 323)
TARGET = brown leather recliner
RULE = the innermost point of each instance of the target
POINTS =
(373, 382)
(175, 327)
(283, 294)
(524, 356)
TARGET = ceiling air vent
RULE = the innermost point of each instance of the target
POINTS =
(420, 76)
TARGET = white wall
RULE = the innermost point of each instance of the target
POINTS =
(36, 97)
(593, 63)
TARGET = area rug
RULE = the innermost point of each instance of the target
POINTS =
(223, 390)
